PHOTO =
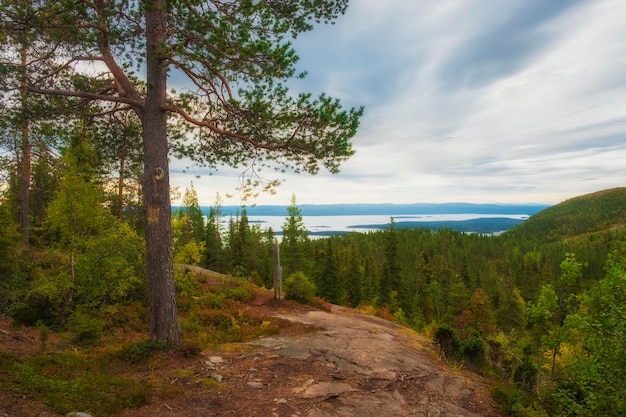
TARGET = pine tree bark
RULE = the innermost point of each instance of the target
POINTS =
(163, 320)
(26, 154)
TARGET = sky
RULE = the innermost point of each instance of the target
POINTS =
(480, 101)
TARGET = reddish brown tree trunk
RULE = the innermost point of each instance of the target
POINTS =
(163, 320)
(26, 155)
(25, 185)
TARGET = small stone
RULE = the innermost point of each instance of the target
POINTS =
(217, 377)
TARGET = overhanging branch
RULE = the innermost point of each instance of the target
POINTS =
(227, 133)
(88, 96)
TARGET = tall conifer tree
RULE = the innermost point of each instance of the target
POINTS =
(235, 110)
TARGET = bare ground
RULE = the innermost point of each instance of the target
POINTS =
(336, 363)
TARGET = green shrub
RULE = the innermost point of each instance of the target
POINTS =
(448, 341)
(508, 400)
(84, 328)
(186, 283)
(138, 352)
(525, 375)
(68, 381)
(299, 288)
(473, 352)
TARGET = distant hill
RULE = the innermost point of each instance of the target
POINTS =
(594, 213)
(386, 209)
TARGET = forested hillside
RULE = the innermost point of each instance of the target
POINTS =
(539, 309)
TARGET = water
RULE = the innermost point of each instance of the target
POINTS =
(330, 224)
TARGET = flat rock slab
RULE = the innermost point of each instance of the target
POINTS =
(343, 364)
(376, 368)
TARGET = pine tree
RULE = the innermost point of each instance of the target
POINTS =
(328, 285)
(295, 236)
(390, 281)
(354, 279)
(237, 56)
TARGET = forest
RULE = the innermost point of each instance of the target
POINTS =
(538, 309)
(88, 239)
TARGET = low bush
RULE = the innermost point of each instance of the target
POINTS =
(66, 381)
(473, 351)
(448, 341)
(85, 329)
(300, 288)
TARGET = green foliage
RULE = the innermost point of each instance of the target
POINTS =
(327, 279)
(213, 250)
(591, 213)
(190, 253)
(514, 403)
(482, 317)
(508, 399)
(448, 341)
(526, 374)
(298, 287)
(390, 280)
(188, 231)
(597, 332)
(69, 381)
(13, 282)
(139, 352)
(511, 316)
(213, 327)
(295, 236)
(473, 352)
(186, 283)
(92, 258)
(86, 330)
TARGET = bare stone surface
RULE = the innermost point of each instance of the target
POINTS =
(376, 368)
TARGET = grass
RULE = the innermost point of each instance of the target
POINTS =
(116, 371)
(68, 381)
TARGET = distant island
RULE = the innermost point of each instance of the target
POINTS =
(484, 225)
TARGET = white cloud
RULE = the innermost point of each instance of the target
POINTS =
(522, 101)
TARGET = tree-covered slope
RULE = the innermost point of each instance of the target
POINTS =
(595, 213)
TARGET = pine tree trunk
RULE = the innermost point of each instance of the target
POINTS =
(163, 321)
(26, 156)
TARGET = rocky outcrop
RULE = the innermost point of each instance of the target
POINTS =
(374, 368)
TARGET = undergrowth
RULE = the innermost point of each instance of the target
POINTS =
(105, 363)
(69, 381)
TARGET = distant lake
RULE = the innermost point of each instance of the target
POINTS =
(328, 225)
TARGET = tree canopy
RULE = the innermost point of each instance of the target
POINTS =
(231, 60)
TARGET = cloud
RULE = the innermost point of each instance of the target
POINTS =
(467, 100)
(511, 36)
